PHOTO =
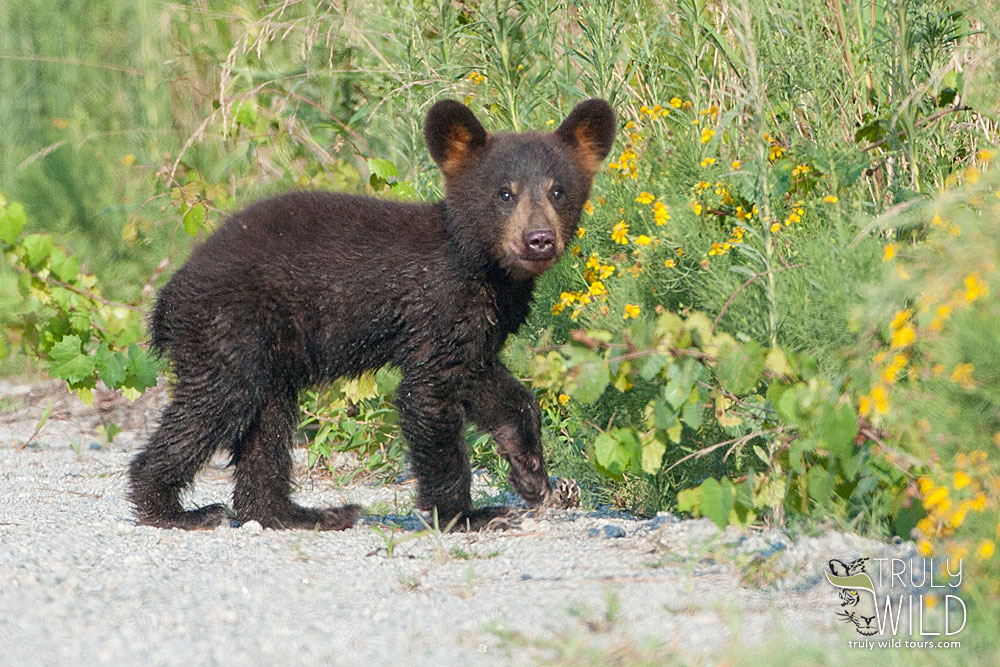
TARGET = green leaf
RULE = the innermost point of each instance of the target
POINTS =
(611, 455)
(361, 387)
(588, 380)
(663, 415)
(820, 484)
(111, 366)
(384, 169)
(404, 190)
(682, 376)
(689, 500)
(616, 451)
(386, 380)
(141, 372)
(69, 363)
(717, 500)
(194, 218)
(652, 365)
(652, 455)
(246, 113)
(36, 248)
(777, 364)
(65, 268)
(740, 370)
(674, 432)
(12, 221)
(837, 427)
(693, 410)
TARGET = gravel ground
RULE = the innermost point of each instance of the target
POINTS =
(82, 584)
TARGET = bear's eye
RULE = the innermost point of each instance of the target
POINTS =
(557, 193)
(505, 194)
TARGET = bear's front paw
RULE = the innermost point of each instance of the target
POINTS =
(529, 478)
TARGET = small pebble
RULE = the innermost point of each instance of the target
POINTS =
(252, 528)
(613, 531)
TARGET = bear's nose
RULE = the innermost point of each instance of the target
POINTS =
(540, 243)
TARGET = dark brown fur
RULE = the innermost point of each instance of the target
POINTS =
(307, 287)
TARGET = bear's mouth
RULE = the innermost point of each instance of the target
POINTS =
(533, 262)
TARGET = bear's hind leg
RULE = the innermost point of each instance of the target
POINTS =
(181, 445)
(264, 475)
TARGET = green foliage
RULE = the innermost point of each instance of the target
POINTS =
(928, 358)
(355, 415)
(76, 332)
(802, 428)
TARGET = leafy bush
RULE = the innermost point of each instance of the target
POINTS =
(81, 335)
(934, 378)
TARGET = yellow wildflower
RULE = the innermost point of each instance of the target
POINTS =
(717, 249)
(926, 485)
(128, 159)
(706, 135)
(925, 548)
(619, 233)
(563, 399)
(775, 227)
(903, 337)
(880, 399)
(645, 198)
(588, 207)
(962, 375)
(581, 231)
(974, 287)
(669, 263)
(476, 78)
(864, 406)
(735, 164)
(643, 240)
(831, 199)
(675, 102)
(696, 207)
(961, 480)
(901, 318)
(775, 152)
(936, 497)
(985, 550)
(687, 105)
(630, 311)
(597, 288)
(889, 252)
(708, 162)
(660, 213)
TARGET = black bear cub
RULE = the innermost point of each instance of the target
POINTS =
(310, 286)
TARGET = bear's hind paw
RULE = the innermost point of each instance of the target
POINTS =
(208, 517)
(307, 518)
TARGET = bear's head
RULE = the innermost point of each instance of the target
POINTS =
(514, 200)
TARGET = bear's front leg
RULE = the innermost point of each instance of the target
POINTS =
(431, 421)
(503, 407)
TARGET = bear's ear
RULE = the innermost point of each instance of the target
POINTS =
(452, 134)
(590, 131)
